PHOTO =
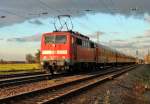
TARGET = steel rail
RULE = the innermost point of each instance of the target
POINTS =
(22, 79)
(3, 76)
(29, 78)
(5, 82)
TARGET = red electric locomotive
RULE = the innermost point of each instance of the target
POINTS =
(65, 49)
(68, 50)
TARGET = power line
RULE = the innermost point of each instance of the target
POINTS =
(44, 13)
(46, 5)
(83, 25)
(111, 11)
(12, 13)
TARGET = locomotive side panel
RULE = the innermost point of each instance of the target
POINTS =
(84, 52)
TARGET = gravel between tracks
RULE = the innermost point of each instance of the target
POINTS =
(10, 91)
(57, 92)
(122, 90)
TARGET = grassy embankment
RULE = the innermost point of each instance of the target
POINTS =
(140, 91)
(143, 77)
(15, 68)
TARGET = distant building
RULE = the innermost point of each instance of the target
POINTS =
(147, 59)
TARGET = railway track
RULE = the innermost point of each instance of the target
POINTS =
(60, 91)
(20, 74)
(17, 79)
(29, 77)
(23, 79)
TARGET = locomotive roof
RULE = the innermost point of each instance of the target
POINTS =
(75, 33)
(79, 35)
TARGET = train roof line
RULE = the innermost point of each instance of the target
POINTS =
(74, 32)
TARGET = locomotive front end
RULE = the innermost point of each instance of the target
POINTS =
(55, 51)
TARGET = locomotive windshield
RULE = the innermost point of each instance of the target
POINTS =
(55, 39)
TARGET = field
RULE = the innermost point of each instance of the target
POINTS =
(15, 68)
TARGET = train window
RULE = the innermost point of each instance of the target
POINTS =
(61, 39)
(88, 44)
(79, 41)
(49, 39)
(83, 43)
(92, 45)
(55, 39)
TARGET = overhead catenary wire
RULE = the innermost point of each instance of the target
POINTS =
(13, 13)
(59, 12)
(26, 17)
(118, 20)
(47, 6)
(20, 16)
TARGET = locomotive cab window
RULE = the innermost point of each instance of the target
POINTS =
(92, 45)
(55, 39)
(79, 41)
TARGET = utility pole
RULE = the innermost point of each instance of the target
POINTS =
(137, 53)
(97, 36)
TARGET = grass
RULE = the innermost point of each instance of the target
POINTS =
(143, 77)
(139, 92)
(15, 68)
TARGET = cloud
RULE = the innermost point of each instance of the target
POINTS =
(36, 22)
(16, 11)
(147, 33)
(139, 37)
(145, 36)
(115, 33)
(147, 17)
(94, 35)
(34, 38)
(1, 39)
(130, 46)
(133, 43)
(121, 44)
(138, 43)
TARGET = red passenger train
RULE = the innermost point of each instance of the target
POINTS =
(69, 50)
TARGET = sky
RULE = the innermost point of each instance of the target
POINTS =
(123, 24)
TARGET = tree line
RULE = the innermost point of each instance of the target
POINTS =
(29, 58)
(33, 58)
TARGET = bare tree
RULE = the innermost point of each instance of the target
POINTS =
(29, 58)
(2, 61)
(37, 56)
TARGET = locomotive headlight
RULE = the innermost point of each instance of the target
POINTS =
(44, 57)
(63, 57)
(61, 51)
(42, 63)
